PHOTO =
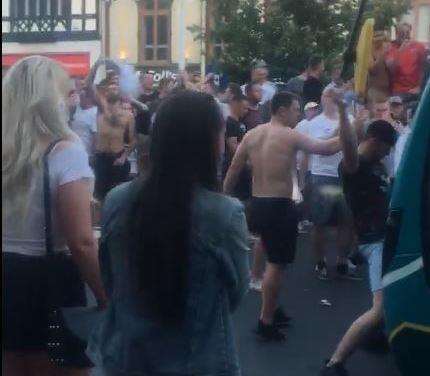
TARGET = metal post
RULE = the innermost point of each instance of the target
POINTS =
(203, 42)
(181, 34)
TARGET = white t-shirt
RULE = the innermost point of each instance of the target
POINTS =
(268, 90)
(84, 125)
(25, 235)
(323, 128)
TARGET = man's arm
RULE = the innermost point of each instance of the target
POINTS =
(348, 139)
(360, 121)
(239, 161)
(314, 146)
(303, 169)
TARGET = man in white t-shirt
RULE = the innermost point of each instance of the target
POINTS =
(312, 110)
(327, 204)
(260, 74)
(84, 122)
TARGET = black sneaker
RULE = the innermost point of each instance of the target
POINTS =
(321, 270)
(280, 319)
(344, 272)
(336, 369)
(269, 332)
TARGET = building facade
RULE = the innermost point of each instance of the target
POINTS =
(156, 34)
(420, 20)
(66, 30)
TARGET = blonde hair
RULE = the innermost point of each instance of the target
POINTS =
(33, 92)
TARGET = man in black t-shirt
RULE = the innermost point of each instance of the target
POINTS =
(235, 130)
(313, 87)
(365, 184)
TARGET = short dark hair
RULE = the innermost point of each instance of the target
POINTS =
(282, 99)
(234, 88)
(383, 131)
(239, 97)
(249, 86)
(314, 61)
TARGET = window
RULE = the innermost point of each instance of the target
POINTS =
(37, 8)
(155, 32)
(33, 21)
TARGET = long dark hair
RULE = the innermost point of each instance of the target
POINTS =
(183, 155)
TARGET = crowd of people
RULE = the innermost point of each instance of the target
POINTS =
(172, 262)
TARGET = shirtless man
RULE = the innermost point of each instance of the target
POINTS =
(114, 142)
(271, 151)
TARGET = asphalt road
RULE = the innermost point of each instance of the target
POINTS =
(315, 329)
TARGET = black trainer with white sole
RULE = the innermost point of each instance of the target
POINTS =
(269, 332)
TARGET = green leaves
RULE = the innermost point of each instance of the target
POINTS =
(287, 32)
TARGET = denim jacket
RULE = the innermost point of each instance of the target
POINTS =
(124, 342)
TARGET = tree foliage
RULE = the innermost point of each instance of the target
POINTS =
(287, 32)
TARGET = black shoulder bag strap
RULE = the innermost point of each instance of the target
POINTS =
(47, 200)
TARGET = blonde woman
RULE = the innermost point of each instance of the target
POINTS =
(34, 115)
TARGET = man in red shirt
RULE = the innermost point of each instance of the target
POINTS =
(405, 61)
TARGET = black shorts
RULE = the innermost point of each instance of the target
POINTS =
(107, 175)
(275, 220)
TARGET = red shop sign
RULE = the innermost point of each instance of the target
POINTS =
(77, 64)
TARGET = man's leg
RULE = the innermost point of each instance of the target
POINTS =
(367, 322)
(272, 284)
(318, 240)
(258, 264)
(344, 242)
(359, 330)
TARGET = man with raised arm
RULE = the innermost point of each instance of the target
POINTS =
(365, 183)
(271, 151)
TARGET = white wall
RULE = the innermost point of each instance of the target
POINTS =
(423, 29)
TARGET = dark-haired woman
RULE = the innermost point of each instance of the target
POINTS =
(173, 254)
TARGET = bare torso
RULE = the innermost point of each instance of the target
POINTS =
(111, 132)
(272, 156)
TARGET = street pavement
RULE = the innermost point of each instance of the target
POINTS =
(315, 329)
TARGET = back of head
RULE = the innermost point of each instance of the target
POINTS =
(314, 62)
(33, 111)
(234, 88)
(382, 131)
(282, 99)
(183, 156)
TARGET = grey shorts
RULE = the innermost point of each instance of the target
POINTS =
(327, 202)
(372, 252)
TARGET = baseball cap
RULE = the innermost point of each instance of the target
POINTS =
(396, 100)
(310, 105)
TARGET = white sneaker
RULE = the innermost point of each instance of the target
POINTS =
(256, 285)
